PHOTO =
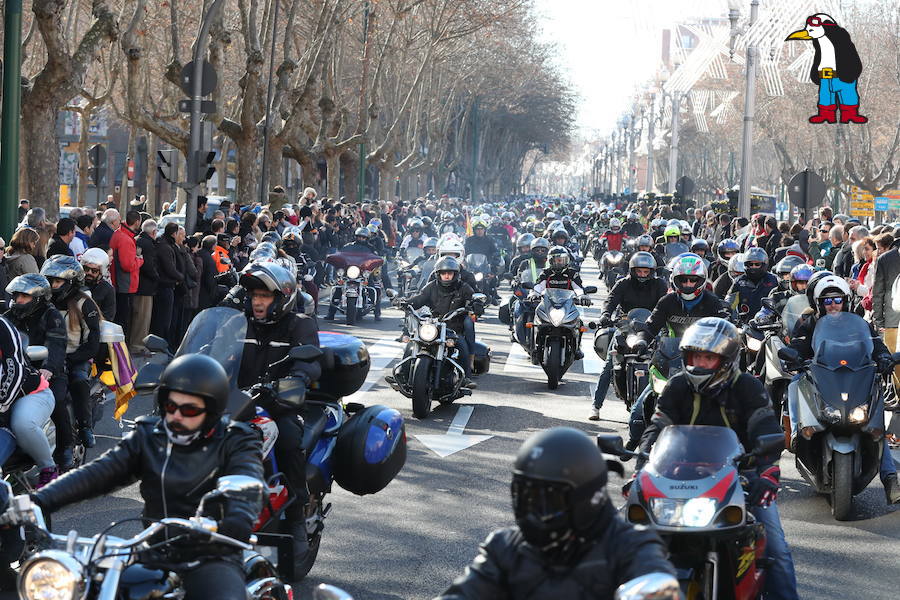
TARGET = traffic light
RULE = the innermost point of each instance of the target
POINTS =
(167, 167)
(97, 158)
(204, 164)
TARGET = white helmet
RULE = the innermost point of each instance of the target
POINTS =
(451, 247)
(615, 223)
(96, 256)
(831, 286)
(736, 264)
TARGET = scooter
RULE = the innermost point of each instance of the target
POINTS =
(692, 494)
(840, 410)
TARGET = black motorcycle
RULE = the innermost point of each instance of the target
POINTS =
(839, 410)
(612, 343)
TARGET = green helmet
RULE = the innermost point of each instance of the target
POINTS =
(672, 231)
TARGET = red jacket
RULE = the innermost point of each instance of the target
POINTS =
(126, 263)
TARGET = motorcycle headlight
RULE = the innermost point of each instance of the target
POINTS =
(428, 332)
(51, 575)
(556, 316)
(831, 415)
(353, 272)
(753, 344)
(693, 512)
(859, 415)
(616, 259)
(479, 276)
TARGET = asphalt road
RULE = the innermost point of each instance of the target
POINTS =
(414, 537)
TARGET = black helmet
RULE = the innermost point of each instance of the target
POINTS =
(198, 375)
(784, 267)
(291, 240)
(447, 263)
(67, 268)
(276, 279)
(560, 233)
(645, 240)
(700, 244)
(642, 260)
(755, 255)
(361, 232)
(33, 284)
(558, 488)
(558, 258)
(718, 336)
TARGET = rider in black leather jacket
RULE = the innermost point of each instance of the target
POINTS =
(177, 460)
(586, 551)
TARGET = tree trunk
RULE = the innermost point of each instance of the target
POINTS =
(333, 175)
(351, 175)
(83, 160)
(40, 143)
(247, 169)
(387, 184)
(276, 164)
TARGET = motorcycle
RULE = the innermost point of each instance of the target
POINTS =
(484, 276)
(840, 410)
(109, 567)
(665, 363)
(335, 436)
(691, 492)
(358, 286)
(407, 274)
(635, 364)
(430, 370)
(612, 267)
(559, 328)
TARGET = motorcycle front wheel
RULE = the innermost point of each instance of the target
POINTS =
(841, 486)
(351, 311)
(421, 387)
(554, 363)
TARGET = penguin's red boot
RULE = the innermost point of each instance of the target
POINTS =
(849, 114)
(827, 114)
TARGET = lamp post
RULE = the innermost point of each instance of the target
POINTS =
(12, 104)
(673, 148)
(749, 104)
(650, 133)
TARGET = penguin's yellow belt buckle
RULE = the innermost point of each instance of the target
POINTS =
(826, 73)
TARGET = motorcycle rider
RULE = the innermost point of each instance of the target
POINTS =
(727, 279)
(95, 263)
(724, 251)
(273, 328)
(82, 318)
(687, 303)
(480, 243)
(560, 237)
(712, 390)
(559, 275)
(445, 294)
(633, 227)
(831, 295)
(640, 289)
(615, 237)
(568, 541)
(362, 244)
(747, 291)
(645, 244)
(523, 252)
(532, 268)
(671, 246)
(32, 313)
(792, 273)
(177, 458)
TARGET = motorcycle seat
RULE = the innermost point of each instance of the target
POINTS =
(314, 421)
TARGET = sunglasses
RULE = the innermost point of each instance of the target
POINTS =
(186, 410)
(753, 264)
(91, 270)
(690, 279)
(817, 22)
(829, 301)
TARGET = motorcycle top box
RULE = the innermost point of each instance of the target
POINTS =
(370, 451)
(351, 364)
(363, 260)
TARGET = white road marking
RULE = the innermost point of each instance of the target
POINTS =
(454, 440)
(382, 353)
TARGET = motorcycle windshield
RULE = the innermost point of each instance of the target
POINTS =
(476, 262)
(843, 340)
(691, 452)
(218, 332)
(414, 252)
(558, 297)
(792, 311)
(638, 315)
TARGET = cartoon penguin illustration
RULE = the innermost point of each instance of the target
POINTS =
(835, 68)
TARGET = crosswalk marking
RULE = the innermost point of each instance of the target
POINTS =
(518, 361)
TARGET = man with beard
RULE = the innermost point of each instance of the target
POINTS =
(95, 263)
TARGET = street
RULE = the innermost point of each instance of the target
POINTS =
(414, 537)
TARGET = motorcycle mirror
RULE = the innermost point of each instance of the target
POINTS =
(771, 443)
(616, 467)
(306, 353)
(240, 406)
(154, 343)
(527, 285)
(390, 293)
(592, 325)
(329, 592)
(789, 355)
(611, 444)
(768, 303)
(591, 289)
(37, 353)
(652, 586)
(240, 487)
(479, 298)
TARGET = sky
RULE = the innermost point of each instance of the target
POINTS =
(609, 48)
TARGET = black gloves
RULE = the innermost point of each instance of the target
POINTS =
(885, 363)
(764, 489)
(236, 527)
(640, 346)
(605, 320)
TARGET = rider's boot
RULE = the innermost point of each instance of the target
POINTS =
(891, 488)
(64, 459)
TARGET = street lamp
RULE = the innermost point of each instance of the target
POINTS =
(749, 103)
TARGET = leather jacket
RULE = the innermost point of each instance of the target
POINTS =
(671, 313)
(508, 567)
(629, 293)
(267, 344)
(746, 295)
(173, 478)
(445, 299)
